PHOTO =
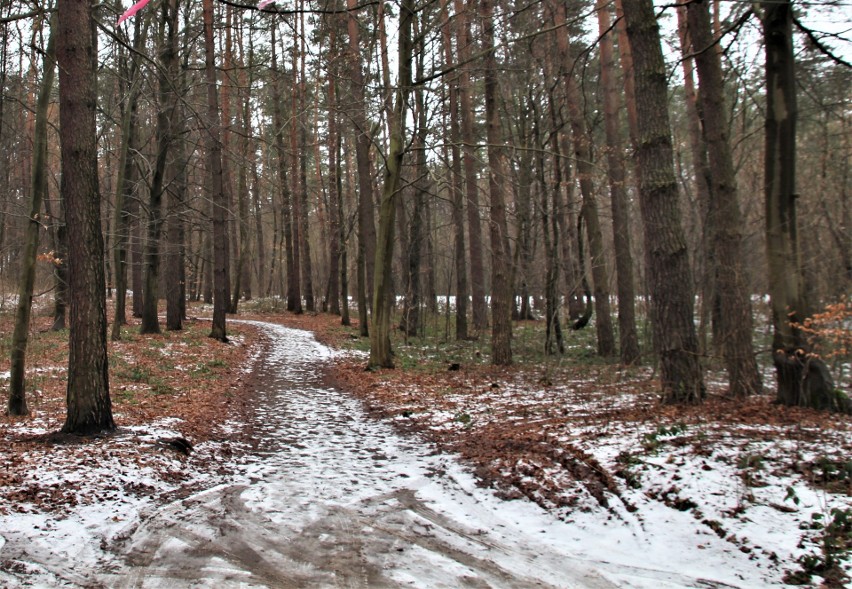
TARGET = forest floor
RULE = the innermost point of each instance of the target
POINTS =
(588, 442)
(579, 439)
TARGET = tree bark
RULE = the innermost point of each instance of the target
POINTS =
(124, 184)
(709, 307)
(306, 269)
(335, 242)
(585, 176)
(380, 346)
(217, 197)
(456, 182)
(242, 272)
(366, 227)
(285, 232)
(294, 278)
(464, 43)
(167, 42)
(17, 404)
(89, 409)
(667, 261)
(731, 284)
(501, 282)
(802, 378)
(627, 336)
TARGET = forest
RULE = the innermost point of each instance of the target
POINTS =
(569, 161)
(646, 200)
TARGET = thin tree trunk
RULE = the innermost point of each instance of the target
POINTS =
(709, 307)
(124, 185)
(17, 404)
(335, 246)
(304, 203)
(285, 232)
(175, 227)
(501, 282)
(456, 184)
(553, 339)
(167, 41)
(380, 346)
(585, 176)
(335, 216)
(242, 274)
(628, 338)
(59, 237)
(217, 197)
(464, 43)
(731, 283)
(294, 280)
(366, 227)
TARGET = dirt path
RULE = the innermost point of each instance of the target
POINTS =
(331, 498)
(325, 496)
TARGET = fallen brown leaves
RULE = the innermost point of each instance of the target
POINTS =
(183, 376)
(526, 430)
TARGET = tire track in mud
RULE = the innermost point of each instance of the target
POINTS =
(331, 498)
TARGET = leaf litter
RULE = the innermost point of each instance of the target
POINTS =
(629, 481)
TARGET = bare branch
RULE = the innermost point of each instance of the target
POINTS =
(822, 47)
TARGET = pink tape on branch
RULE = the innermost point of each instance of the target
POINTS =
(264, 3)
(132, 10)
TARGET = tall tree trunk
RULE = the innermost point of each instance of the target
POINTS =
(553, 339)
(335, 242)
(501, 281)
(258, 209)
(464, 44)
(565, 210)
(585, 176)
(89, 409)
(285, 233)
(525, 251)
(366, 227)
(176, 238)
(226, 49)
(731, 283)
(124, 184)
(380, 346)
(176, 223)
(242, 273)
(167, 42)
(709, 306)
(346, 227)
(335, 217)
(303, 219)
(294, 279)
(803, 379)
(17, 404)
(627, 336)
(456, 182)
(667, 259)
(217, 198)
(413, 259)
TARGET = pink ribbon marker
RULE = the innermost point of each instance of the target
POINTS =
(264, 3)
(132, 10)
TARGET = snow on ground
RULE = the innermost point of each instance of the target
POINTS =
(325, 496)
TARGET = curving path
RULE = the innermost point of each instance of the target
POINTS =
(332, 498)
